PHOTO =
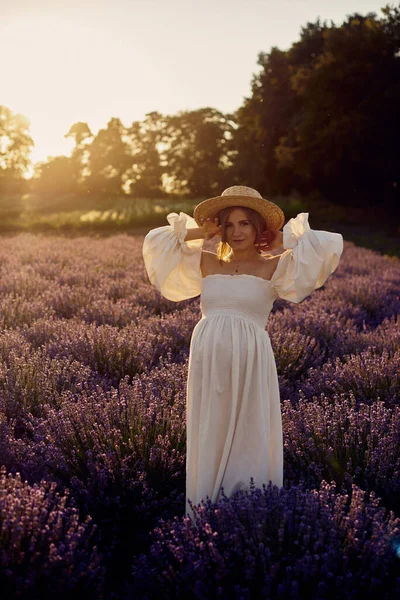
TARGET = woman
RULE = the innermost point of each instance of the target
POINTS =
(233, 416)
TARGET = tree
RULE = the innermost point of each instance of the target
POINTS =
(82, 135)
(325, 114)
(15, 147)
(55, 177)
(262, 120)
(144, 177)
(197, 151)
(344, 136)
(108, 159)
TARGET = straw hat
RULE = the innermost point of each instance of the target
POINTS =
(240, 195)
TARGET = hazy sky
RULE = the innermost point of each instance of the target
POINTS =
(65, 61)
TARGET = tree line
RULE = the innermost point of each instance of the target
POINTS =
(322, 116)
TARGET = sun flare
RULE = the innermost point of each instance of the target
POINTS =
(59, 72)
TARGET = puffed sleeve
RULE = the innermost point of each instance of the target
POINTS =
(308, 260)
(172, 264)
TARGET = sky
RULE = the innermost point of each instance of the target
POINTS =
(65, 61)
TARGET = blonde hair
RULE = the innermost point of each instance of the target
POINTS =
(223, 249)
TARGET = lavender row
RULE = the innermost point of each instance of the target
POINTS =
(103, 282)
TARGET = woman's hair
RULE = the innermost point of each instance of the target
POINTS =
(223, 249)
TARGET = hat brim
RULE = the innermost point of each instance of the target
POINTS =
(273, 216)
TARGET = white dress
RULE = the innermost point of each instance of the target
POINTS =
(233, 415)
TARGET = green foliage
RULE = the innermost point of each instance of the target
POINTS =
(89, 213)
(324, 115)
(96, 213)
(107, 215)
(15, 145)
(145, 175)
(262, 120)
(197, 151)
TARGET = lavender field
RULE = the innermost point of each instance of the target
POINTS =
(93, 365)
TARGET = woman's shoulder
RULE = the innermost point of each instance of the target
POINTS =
(270, 261)
(267, 265)
(207, 256)
(208, 261)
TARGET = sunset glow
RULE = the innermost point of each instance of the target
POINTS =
(60, 72)
(89, 60)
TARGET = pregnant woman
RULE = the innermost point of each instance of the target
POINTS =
(233, 416)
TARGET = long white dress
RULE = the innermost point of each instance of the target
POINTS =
(233, 415)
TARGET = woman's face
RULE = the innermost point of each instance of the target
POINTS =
(240, 233)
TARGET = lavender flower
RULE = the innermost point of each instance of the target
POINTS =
(287, 543)
(45, 548)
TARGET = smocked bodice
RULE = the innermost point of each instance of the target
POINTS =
(246, 296)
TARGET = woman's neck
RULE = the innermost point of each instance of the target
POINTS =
(246, 255)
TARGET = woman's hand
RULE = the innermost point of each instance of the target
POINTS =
(211, 228)
(270, 240)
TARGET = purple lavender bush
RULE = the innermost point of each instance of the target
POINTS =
(370, 376)
(339, 439)
(271, 543)
(45, 549)
(121, 453)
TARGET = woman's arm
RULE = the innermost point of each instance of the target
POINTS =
(173, 265)
(197, 233)
(271, 242)
(208, 230)
(277, 242)
(310, 257)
